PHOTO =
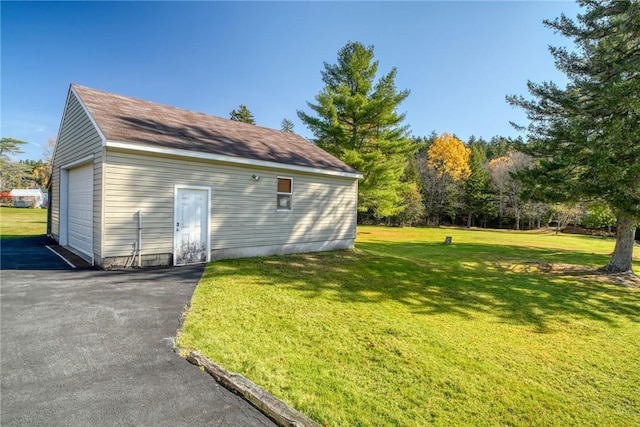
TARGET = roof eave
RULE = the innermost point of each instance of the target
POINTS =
(129, 146)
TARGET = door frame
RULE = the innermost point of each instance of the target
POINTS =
(176, 191)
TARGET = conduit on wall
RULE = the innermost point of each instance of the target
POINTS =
(139, 239)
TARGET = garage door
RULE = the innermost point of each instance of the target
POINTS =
(80, 210)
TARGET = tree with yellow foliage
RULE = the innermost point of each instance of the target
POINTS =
(443, 169)
(448, 155)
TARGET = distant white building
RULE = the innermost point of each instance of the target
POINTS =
(27, 198)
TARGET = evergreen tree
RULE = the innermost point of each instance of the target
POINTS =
(12, 174)
(242, 115)
(10, 146)
(500, 146)
(356, 120)
(598, 216)
(412, 201)
(413, 206)
(477, 187)
(286, 125)
(586, 136)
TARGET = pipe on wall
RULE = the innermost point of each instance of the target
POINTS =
(139, 239)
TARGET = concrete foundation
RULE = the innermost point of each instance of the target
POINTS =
(150, 260)
(255, 251)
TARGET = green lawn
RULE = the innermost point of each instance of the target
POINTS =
(22, 222)
(500, 328)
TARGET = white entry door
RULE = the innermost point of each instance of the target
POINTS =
(191, 238)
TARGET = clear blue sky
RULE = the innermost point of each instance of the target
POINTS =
(459, 59)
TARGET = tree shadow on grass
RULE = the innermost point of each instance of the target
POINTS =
(464, 280)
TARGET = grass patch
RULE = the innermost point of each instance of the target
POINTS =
(22, 222)
(406, 331)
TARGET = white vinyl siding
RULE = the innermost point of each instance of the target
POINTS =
(77, 139)
(242, 213)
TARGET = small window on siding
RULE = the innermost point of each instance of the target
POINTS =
(284, 194)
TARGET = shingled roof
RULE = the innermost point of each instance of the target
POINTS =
(134, 121)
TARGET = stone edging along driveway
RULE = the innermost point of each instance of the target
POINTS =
(277, 410)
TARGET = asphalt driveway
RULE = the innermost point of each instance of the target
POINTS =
(95, 348)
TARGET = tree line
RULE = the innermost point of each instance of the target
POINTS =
(430, 180)
(474, 184)
(583, 140)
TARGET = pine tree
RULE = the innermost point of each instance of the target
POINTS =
(10, 146)
(12, 174)
(242, 115)
(286, 125)
(586, 136)
(356, 119)
(477, 187)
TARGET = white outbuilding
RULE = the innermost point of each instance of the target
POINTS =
(27, 197)
(143, 184)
